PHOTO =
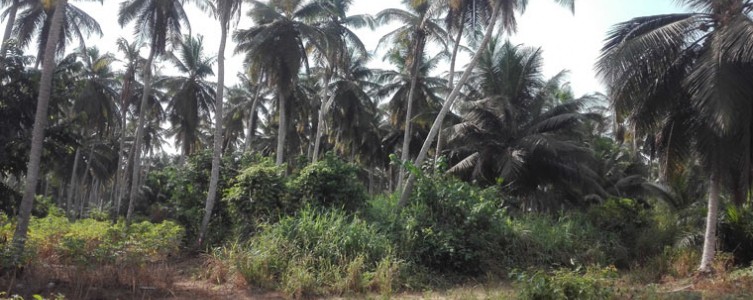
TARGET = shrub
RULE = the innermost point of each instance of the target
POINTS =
(447, 226)
(331, 182)
(543, 241)
(642, 232)
(736, 232)
(594, 283)
(318, 253)
(256, 195)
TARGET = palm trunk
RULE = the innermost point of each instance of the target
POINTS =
(215, 173)
(37, 137)
(282, 128)
(405, 155)
(450, 87)
(8, 29)
(121, 174)
(252, 116)
(447, 104)
(709, 239)
(83, 197)
(143, 114)
(320, 126)
(71, 187)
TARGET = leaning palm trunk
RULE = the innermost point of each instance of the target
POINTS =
(37, 136)
(140, 135)
(217, 155)
(450, 87)
(323, 110)
(447, 104)
(405, 155)
(8, 29)
(282, 128)
(709, 238)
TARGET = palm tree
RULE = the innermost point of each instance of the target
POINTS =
(190, 95)
(685, 79)
(276, 47)
(503, 10)
(225, 11)
(37, 139)
(336, 23)
(419, 27)
(10, 17)
(35, 20)
(158, 22)
(399, 84)
(133, 61)
(519, 131)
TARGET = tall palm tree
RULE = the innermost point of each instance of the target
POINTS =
(501, 10)
(35, 21)
(332, 17)
(133, 61)
(418, 28)
(685, 78)
(190, 95)
(37, 139)
(276, 47)
(159, 22)
(225, 11)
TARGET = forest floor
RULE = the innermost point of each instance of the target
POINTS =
(184, 279)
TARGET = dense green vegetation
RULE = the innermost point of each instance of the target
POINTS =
(318, 176)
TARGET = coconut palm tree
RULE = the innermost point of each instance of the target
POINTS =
(685, 78)
(133, 61)
(276, 47)
(37, 139)
(333, 19)
(9, 15)
(418, 28)
(35, 20)
(501, 10)
(225, 11)
(190, 96)
(159, 22)
(520, 133)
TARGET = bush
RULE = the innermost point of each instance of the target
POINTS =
(736, 233)
(258, 194)
(594, 283)
(448, 226)
(543, 241)
(331, 182)
(318, 253)
(642, 233)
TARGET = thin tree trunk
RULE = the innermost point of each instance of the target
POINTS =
(709, 238)
(323, 110)
(450, 87)
(122, 170)
(143, 114)
(215, 173)
(37, 137)
(447, 104)
(83, 197)
(250, 133)
(8, 29)
(405, 155)
(282, 128)
(71, 187)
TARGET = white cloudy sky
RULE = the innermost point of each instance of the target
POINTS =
(569, 41)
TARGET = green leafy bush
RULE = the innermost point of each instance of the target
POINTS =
(736, 232)
(258, 194)
(642, 232)
(448, 225)
(594, 283)
(318, 253)
(331, 182)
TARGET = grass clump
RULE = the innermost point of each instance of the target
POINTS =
(592, 283)
(317, 253)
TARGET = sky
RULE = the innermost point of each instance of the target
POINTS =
(569, 41)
